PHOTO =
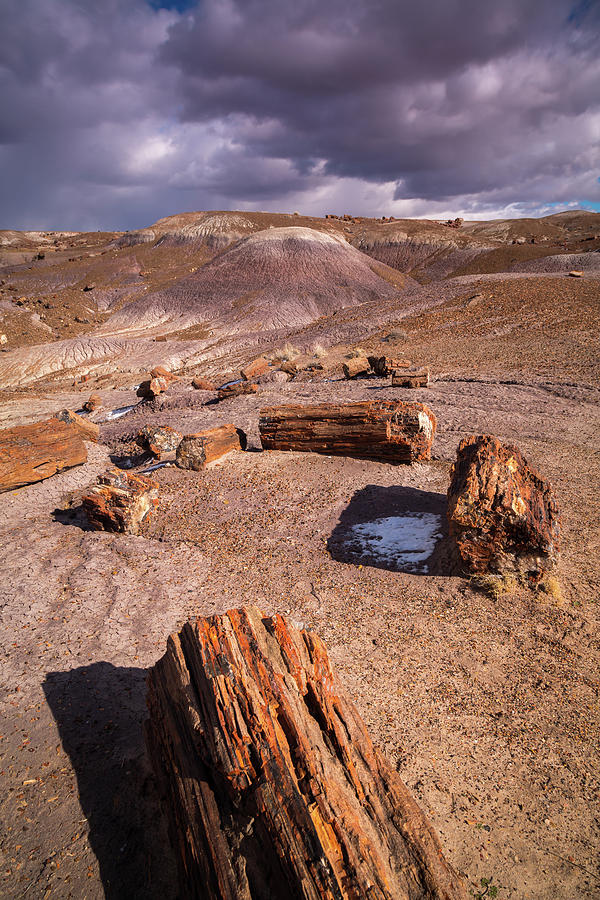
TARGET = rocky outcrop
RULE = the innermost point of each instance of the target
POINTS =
(89, 431)
(158, 439)
(30, 453)
(273, 786)
(119, 502)
(502, 515)
(196, 451)
(390, 430)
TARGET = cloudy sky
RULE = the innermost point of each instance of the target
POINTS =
(114, 113)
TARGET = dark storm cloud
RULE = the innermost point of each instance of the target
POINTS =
(114, 114)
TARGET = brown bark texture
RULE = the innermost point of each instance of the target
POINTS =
(385, 365)
(196, 451)
(356, 368)
(390, 430)
(273, 787)
(413, 379)
(89, 431)
(119, 502)
(503, 517)
(30, 453)
(236, 390)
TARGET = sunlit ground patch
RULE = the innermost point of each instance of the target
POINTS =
(396, 542)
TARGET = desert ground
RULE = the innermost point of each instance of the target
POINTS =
(486, 705)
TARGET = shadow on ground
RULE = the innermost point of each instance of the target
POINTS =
(100, 711)
(407, 531)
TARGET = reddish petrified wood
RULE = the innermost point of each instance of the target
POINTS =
(158, 439)
(120, 501)
(236, 390)
(391, 430)
(203, 384)
(385, 365)
(151, 388)
(256, 368)
(503, 516)
(413, 379)
(356, 368)
(196, 451)
(89, 431)
(274, 789)
(30, 453)
(92, 403)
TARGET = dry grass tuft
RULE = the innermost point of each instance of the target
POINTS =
(319, 351)
(286, 353)
(551, 586)
(494, 585)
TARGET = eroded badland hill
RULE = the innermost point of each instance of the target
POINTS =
(485, 700)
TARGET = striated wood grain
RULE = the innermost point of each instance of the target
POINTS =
(391, 430)
(88, 430)
(119, 502)
(273, 786)
(358, 367)
(385, 365)
(412, 379)
(30, 453)
(196, 451)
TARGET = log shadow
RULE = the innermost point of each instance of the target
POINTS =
(400, 529)
(99, 710)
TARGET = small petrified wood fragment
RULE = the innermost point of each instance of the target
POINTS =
(391, 430)
(413, 379)
(502, 515)
(30, 453)
(236, 390)
(151, 388)
(92, 403)
(357, 368)
(158, 439)
(89, 431)
(196, 451)
(274, 789)
(255, 369)
(203, 384)
(385, 365)
(119, 502)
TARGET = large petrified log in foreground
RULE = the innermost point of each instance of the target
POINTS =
(502, 515)
(274, 789)
(30, 453)
(196, 451)
(119, 502)
(390, 430)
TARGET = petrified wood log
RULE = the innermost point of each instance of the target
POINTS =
(236, 390)
(391, 430)
(89, 431)
(274, 789)
(92, 403)
(256, 368)
(356, 368)
(203, 384)
(158, 439)
(503, 516)
(414, 379)
(30, 453)
(196, 451)
(119, 502)
(151, 388)
(385, 365)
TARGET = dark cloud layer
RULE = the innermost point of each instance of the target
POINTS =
(117, 113)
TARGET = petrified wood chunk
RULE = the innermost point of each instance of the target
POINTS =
(391, 430)
(158, 439)
(503, 516)
(120, 501)
(89, 431)
(256, 368)
(236, 390)
(92, 403)
(30, 453)
(356, 368)
(274, 788)
(151, 388)
(414, 379)
(203, 384)
(385, 365)
(196, 451)
(161, 372)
